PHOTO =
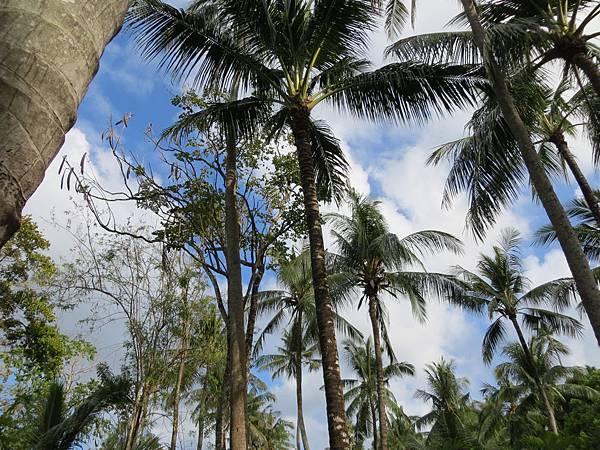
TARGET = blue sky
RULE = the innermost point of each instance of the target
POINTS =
(387, 162)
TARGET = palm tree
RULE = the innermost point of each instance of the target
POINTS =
(46, 72)
(535, 374)
(535, 32)
(362, 392)
(59, 431)
(298, 350)
(295, 304)
(586, 227)
(377, 262)
(495, 48)
(488, 164)
(295, 55)
(449, 397)
(501, 287)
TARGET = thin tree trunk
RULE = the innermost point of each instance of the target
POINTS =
(379, 372)
(578, 263)
(339, 438)
(222, 411)
(177, 393)
(49, 53)
(536, 376)
(587, 65)
(299, 402)
(235, 303)
(200, 432)
(375, 428)
(558, 139)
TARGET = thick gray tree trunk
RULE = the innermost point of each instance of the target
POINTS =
(49, 53)
(578, 263)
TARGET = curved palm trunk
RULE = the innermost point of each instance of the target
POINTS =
(49, 53)
(578, 263)
(587, 65)
(379, 372)
(559, 141)
(339, 438)
(235, 304)
(538, 382)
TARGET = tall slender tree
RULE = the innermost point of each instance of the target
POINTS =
(50, 52)
(501, 288)
(578, 264)
(296, 351)
(377, 262)
(362, 392)
(294, 56)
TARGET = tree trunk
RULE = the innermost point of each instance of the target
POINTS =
(200, 432)
(235, 304)
(177, 393)
(299, 403)
(49, 53)
(578, 263)
(379, 372)
(375, 428)
(536, 377)
(558, 139)
(222, 413)
(584, 62)
(336, 415)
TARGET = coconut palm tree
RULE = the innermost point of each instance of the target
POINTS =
(488, 164)
(535, 374)
(45, 74)
(362, 392)
(293, 56)
(298, 349)
(376, 262)
(449, 397)
(60, 430)
(520, 33)
(294, 304)
(501, 288)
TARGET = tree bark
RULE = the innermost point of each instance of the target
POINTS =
(578, 263)
(235, 303)
(375, 428)
(339, 438)
(558, 139)
(49, 53)
(223, 407)
(177, 393)
(379, 373)
(299, 402)
(536, 376)
(200, 432)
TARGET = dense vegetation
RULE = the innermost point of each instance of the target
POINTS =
(244, 172)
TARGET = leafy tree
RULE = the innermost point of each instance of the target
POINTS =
(375, 261)
(449, 397)
(320, 57)
(362, 392)
(536, 377)
(501, 288)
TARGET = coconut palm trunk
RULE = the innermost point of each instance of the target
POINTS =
(578, 263)
(558, 139)
(587, 65)
(200, 441)
(375, 429)
(299, 403)
(336, 415)
(538, 382)
(373, 313)
(50, 52)
(235, 303)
